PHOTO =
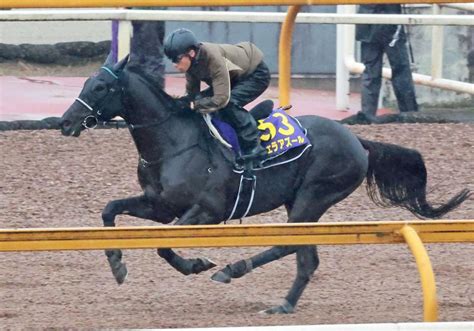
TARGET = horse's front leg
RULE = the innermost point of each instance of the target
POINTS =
(195, 215)
(140, 207)
(185, 266)
(198, 215)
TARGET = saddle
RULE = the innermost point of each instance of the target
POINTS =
(279, 132)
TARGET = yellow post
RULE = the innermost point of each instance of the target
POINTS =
(284, 56)
(430, 304)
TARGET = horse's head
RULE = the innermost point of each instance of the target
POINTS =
(99, 100)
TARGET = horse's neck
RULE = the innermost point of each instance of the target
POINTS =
(156, 130)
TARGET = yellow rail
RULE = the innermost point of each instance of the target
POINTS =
(232, 235)
(255, 235)
(284, 56)
(195, 3)
(428, 284)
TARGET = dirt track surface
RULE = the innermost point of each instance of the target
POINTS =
(52, 181)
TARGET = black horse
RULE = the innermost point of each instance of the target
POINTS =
(188, 176)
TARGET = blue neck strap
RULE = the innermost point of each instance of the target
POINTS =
(110, 72)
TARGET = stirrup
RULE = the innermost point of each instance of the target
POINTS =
(238, 166)
(251, 161)
(252, 164)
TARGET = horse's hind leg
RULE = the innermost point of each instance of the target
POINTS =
(136, 206)
(242, 267)
(303, 209)
(310, 204)
(307, 262)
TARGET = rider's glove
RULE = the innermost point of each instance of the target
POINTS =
(184, 103)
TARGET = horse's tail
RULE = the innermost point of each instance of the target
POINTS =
(397, 177)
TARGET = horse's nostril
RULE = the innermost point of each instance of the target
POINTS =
(65, 124)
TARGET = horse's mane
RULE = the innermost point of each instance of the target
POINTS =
(153, 85)
(205, 139)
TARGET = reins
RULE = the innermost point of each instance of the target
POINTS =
(155, 123)
(147, 125)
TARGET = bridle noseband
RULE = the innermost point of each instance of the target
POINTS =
(95, 114)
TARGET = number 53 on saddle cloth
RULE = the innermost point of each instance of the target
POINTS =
(279, 133)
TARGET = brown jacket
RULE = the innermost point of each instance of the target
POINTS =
(218, 65)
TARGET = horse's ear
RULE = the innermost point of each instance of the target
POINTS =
(110, 61)
(120, 65)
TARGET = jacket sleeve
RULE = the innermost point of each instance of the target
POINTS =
(220, 78)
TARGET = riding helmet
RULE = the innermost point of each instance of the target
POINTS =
(179, 42)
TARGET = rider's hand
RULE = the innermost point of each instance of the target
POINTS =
(184, 103)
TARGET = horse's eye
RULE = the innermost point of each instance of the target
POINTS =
(99, 88)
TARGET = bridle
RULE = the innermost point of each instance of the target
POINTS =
(96, 113)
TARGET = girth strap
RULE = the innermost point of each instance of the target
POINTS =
(245, 195)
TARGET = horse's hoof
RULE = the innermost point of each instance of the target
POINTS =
(120, 273)
(221, 277)
(203, 264)
(285, 308)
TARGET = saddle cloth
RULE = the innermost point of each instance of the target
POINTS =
(279, 133)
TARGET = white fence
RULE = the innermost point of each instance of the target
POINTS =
(226, 16)
(346, 61)
(347, 64)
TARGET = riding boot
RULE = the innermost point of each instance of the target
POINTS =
(245, 127)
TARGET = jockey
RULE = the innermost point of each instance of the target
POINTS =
(236, 75)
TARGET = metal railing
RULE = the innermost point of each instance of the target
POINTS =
(195, 3)
(346, 62)
(414, 233)
(345, 36)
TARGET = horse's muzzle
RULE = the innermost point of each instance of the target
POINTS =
(67, 129)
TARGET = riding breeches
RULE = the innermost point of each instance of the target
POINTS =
(250, 87)
(244, 125)
(372, 57)
(247, 88)
(244, 91)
